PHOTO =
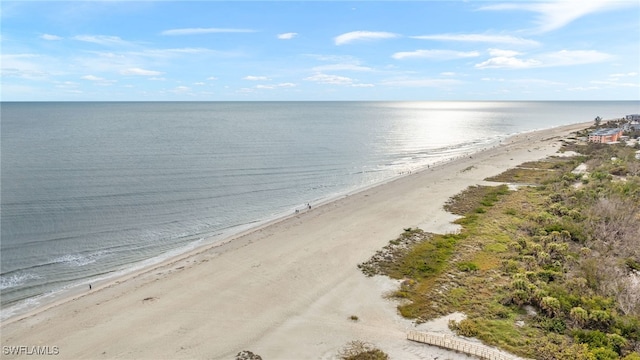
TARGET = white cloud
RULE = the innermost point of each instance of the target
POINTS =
(574, 57)
(508, 62)
(65, 84)
(98, 80)
(287, 36)
(50, 37)
(138, 71)
(336, 80)
(584, 88)
(330, 79)
(448, 73)
(554, 15)
(7, 57)
(493, 79)
(276, 86)
(363, 35)
(211, 78)
(25, 66)
(181, 89)
(558, 58)
(615, 83)
(198, 31)
(102, 40)
(92, 78)
(498, 39)
(174, 52)
(362, 85)
(339, 67)
(342, 59)
(434, 54)
(620, 75)
(171, 52)
(421, 82)
(542, 82)
(255, 78)
(505, 53)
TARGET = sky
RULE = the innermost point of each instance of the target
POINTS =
(319, 50)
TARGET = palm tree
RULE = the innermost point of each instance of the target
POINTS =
(598, 120)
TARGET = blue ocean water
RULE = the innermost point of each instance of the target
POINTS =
(90, 190)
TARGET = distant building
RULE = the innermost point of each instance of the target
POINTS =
(632, 125)
(605, 135)
(632, 118)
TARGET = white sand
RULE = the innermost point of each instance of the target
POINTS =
(283, 291)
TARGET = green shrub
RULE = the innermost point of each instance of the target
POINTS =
(628, 327)
(548, 275)
(600, 318)
(510, 266)
(632, 356)
(360, 350)
(550, 305)
(558, 348)
(579, 316)
(519, 284)
(603, 353)
(520, 297)
(467, 327)
(555, 325)
(593, 338)
(467, 266)
(617, 342)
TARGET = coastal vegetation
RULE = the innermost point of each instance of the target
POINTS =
(247, 355)
(549, 271)
(360, 350)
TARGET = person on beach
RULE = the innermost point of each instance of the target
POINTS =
(89, 286)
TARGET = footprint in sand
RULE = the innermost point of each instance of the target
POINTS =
(149, 300)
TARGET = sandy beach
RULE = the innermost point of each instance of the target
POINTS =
(285, 290)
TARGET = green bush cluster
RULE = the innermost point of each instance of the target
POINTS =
(467, 266)
(559, 242)
(465, 327)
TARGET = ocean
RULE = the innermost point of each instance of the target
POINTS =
(93, 190)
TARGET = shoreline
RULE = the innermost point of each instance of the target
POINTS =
(69, 292)
(247, 259)
(72, 291)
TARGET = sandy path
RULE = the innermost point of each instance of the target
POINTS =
(284, 291)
